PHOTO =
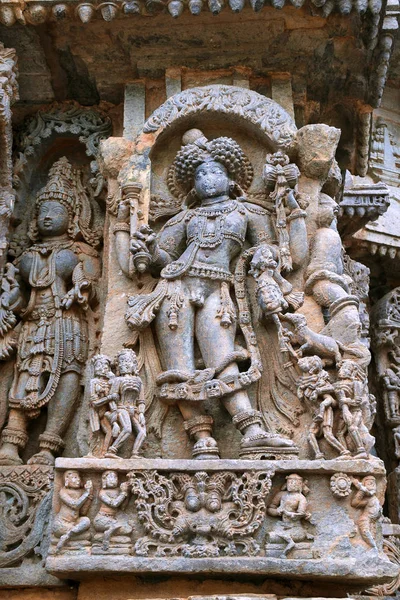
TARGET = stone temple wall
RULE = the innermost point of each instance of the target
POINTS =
(200, 300)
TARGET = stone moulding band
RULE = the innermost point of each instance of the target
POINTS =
(354, 466)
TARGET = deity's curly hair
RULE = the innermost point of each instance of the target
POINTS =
(223, 150)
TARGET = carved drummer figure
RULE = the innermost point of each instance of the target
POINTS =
(194, 255)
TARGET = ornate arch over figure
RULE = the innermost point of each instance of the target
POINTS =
(266, 114)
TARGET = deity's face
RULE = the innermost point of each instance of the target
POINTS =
(370, 484)
(192, 501)
(72, 480)
(294, 484)
(346, 370)
(101, 367)
(126, 364)
(213, 503)
(211, 180)
(53, 218)
(110, 480)
(327, 211)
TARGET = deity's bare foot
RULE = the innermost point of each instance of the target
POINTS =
(205, 448)
(44, 457)
(63, 540)
(111, 453)
(361, 453)
(262, 439)
(9, 455)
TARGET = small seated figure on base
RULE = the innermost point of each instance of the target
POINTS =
(71, 520)
(112, 527)
(290, 505)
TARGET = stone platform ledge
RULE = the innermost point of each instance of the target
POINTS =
(371, 571)
(352, 466)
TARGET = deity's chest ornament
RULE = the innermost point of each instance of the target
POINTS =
(208, 227)
(43, 271)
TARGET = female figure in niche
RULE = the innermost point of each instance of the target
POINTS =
(52, 289)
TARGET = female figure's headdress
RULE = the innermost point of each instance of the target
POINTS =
(197, 149)
(65, 186)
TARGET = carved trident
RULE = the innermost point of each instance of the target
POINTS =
(281, 177)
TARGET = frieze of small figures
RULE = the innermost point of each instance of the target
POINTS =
(181, 514)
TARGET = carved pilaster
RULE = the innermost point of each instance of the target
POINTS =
(8, 95)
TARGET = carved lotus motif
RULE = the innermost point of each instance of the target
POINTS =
(340, 485)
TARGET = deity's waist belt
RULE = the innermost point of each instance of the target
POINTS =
(206, 271)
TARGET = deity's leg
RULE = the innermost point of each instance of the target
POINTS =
(176, 344)
(124, 421)
(140, 433)
(177, 353)
(216, 343)
(14, 435)
(60, 411)
(326, 292)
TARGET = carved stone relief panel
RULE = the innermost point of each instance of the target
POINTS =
(227, 413)
(249, 226)
(273, 517)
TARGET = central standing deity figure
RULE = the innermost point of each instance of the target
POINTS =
(199, 258)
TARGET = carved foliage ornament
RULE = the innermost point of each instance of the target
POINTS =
(200, 515)
(258, 110)
(90, 125)
(25, 501)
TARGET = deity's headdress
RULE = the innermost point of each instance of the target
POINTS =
(132, 357)
(64, 185)
(197, 149)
